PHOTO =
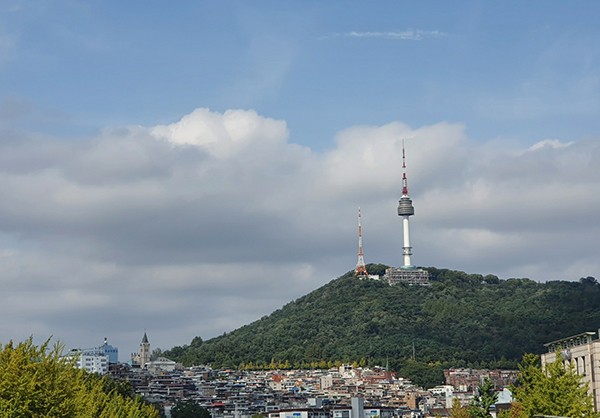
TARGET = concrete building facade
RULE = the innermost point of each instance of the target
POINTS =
(111, 351)
(411, 276)
(92, 360)
(582, 351)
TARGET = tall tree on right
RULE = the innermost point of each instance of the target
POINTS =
(555, 390)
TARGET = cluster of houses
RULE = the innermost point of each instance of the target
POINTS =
(344, 392)
(339, 392)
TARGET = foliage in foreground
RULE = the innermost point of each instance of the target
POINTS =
(37, 382)
(556, 390)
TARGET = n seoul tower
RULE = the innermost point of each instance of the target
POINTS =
(406, 273)
(405, 209)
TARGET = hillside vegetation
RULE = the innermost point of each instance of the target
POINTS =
(460, 320)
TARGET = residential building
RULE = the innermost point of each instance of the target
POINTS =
(582, 351)
(299, 413)
(92, 360)
(161, 365)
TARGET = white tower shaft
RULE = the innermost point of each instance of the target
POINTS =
(406, 248)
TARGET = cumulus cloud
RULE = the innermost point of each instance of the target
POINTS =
(210, 222)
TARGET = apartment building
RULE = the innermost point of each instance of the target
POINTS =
(583, 352)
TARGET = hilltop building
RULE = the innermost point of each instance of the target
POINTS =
(583, 352)
(161, 364)
(407, 273)
(143, 357)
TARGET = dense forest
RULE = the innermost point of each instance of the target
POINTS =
(461, 320)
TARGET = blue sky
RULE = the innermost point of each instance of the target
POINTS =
(188, 167)
(524, 71)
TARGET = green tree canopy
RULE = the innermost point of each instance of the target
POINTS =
(555, 390)
(459, 411)
(189, 409)
(486, 397)
(38, 382)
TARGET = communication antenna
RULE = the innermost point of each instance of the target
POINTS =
(361, 269)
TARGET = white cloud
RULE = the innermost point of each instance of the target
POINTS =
(407, 35)
(549, 143)
(208, 223)
(223, 135)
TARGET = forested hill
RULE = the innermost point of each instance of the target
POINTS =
(460, 320)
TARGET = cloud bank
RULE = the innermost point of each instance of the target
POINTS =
(208, 223)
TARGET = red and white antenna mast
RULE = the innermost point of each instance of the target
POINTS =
(361, 269)
(404, 179)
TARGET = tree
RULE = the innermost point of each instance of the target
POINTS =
(555, 390)
(39, 382)
(196, 342)
(459, 411)
(189, 409)
(156, 353)
(589, 281)
(486, 397)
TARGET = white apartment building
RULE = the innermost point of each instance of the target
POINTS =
(91, 360)
(299, 413)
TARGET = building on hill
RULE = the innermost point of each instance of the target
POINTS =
(92, 360)
(468, 379)
(140, 359)
(583, 352)
(96, 359)
(161, 365)
(358, 409)
(415, 276)
(407, 273)
(299, 413)
(110, 351)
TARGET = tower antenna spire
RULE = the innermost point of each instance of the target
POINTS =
(404, 179)
(361, 269)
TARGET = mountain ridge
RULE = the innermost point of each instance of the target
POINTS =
(460, 320)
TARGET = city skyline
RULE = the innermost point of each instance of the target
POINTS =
(188, 170)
